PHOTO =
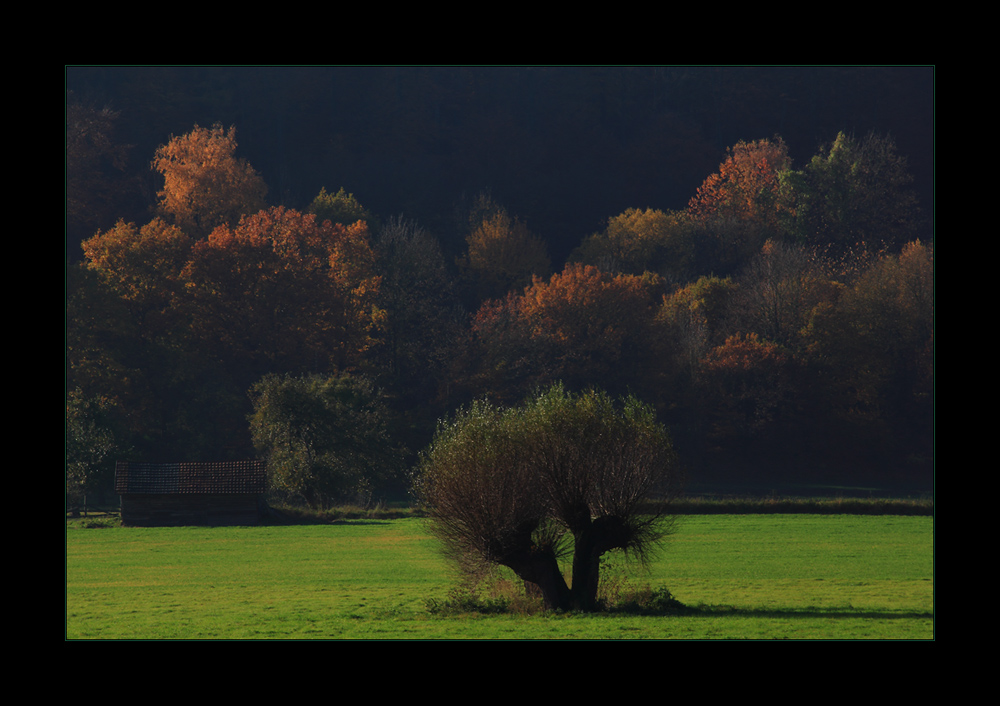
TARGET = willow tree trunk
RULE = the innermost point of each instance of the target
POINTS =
(586, 572)
(542, 570)
(592, 541)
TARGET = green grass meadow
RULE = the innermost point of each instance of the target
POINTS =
(745, 577)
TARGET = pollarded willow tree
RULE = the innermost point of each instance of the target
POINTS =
(517, 486)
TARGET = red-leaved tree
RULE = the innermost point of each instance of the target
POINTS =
(740, 204)
(283, 293)
(582, 326)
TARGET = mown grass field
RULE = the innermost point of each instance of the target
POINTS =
(747, 576)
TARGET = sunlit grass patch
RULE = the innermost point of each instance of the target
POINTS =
(742, 576)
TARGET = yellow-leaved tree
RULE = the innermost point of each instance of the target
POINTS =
(502, 256)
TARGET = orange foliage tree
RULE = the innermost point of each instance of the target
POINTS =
(582, 326)
(123, 309)
(283, 293)
(748, 380)
(127, 331)
(205, 184)
(141, 265)
(740, 204)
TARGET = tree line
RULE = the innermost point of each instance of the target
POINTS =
(780, 325)
(563, 147)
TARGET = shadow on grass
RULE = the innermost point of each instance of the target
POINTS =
(273, 519)
(651, 603)
(325, 521)
(714, 611)
(286, 515)
(772, 505)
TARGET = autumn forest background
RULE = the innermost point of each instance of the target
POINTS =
(747, 249)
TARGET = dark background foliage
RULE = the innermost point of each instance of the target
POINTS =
(558, 151)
